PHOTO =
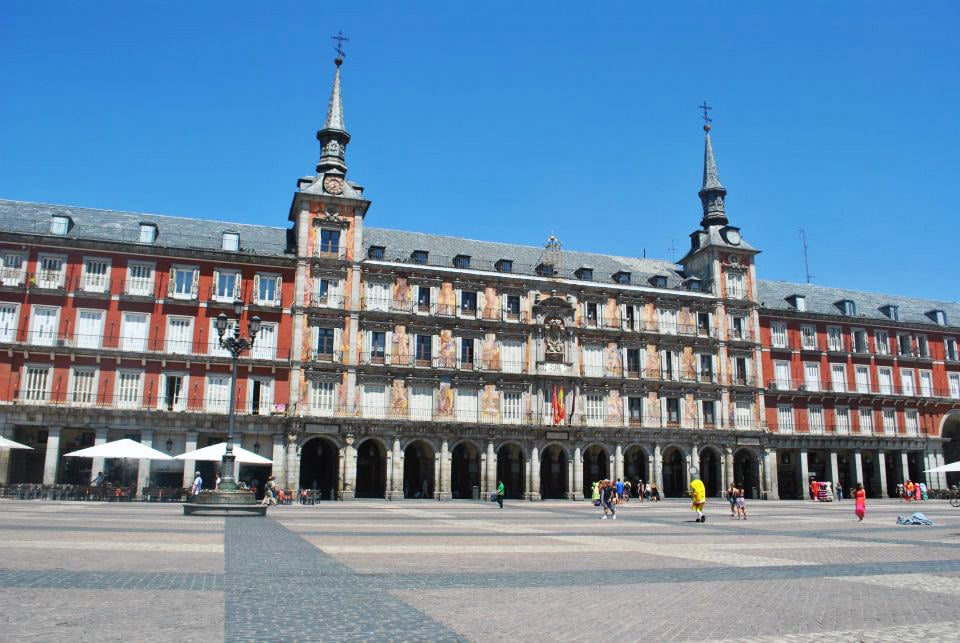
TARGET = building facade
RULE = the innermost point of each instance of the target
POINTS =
(401, 364)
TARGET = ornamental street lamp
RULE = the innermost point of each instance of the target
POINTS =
(235, 345)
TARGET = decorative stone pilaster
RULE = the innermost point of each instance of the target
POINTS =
(143, 468)
(858, 470)
(396, 472)
(658, 467)
(189, 466)
(51, 459)
(882, 469)
(577, 474)
(96, 465)
(291, 472)
(533, 491)
(618, 463)
(804, 474)
(770, 469)
(446, 490)
(491, 469)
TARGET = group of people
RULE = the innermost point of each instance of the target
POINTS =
(624, 490)
(737, 497)
(911, 491)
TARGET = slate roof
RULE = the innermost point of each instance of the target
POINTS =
(823, 299)
(172, 232)
(484, 255)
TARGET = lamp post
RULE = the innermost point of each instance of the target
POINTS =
(235, 345)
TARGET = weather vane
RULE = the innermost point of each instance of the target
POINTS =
(340, 40)
(706, 114)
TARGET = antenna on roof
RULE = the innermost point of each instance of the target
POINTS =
(673, 250)
(806, 256)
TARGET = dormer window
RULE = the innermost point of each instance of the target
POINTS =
(798, 302)
(938, 316)
(658, 281)
(694, 284)
(847, 307)
(504, 265)
(148, 233)
(892, 311)
(622, 277)
(419, 256)
(231, 241)
(462, 262)
(584, 273)
(59, 225)
(376, 252)
(546, 270)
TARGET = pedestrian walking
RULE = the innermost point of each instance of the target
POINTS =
(641, 490)
(732, 499)
(595, 493)
(197, 484)
(608, 493)
(741, 503)
(654, 492)
(839, 491)
(698, 497)
(268, 497)
(860, 502)
(619, 487)
(501, 491)
(99, 479)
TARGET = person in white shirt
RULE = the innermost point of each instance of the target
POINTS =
(197, 484)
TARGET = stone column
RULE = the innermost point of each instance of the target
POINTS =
(773, 480)
(904, 466)
(446, 489)
(687, 462)
(143, 468)
(570, 487)
(658, 467)
(728, 464)
(834, 470)
(938, 461)
(882, 466)
(96, 466)
(52, 459)
(483, 476)
(491, 469)
(349, 475)
(805, 475)
(577, 474)
(437, 474)
(190, 466)
(534, 489)
(291, 472)
(858, 468)
(388, 487)
(618, 463)
(396, 472)
(5, 456)
(278, 454)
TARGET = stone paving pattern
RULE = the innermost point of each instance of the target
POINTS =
(375, 570)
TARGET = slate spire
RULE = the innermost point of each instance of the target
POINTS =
(333, 137)
(712, 194)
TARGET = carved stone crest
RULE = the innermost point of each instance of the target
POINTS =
(554, 338)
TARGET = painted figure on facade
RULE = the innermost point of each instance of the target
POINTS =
(688, 364)
(490, 404)
(614, 362)
(686, 321)
(612, 314)
(652, 410)
(491, 303)
(491, 353)
(401, 345)
(652, 363)
(342, 391)
(649, 316)
(689, 411)
(445, 401)
(402, 294)
(615, 409)
(447, 299)
(398, 399)
(447, 355)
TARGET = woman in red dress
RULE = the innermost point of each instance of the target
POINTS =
(860, 504)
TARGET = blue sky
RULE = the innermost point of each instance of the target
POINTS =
(511, 120)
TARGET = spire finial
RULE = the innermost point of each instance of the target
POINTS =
(340, 38)
(333, 135)
(706, 116)
(712, 193)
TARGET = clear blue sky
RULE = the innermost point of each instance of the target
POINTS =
(509, 120)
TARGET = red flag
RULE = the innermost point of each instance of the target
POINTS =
(573, 404)
(555, 409)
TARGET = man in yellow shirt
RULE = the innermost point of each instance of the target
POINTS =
(698, 495)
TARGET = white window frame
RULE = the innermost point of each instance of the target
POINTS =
(230, 242)
(122, 390)
(926, 383)
(234, 293)
(468, 405)
(173, 289)
(889, 418)
(182, 402)
(953, 382)
(881, 340)
(178, 346)
(86, 339)
(815, 421)
(511, 355)
(421, 403)
(736, 285)
(131, 343)
(36, 394)
(841, 385)
(783, 383)
(844, 423)
(258, 280)
(743, 414)
(213, 403)
(94, 381)
(48, 278)
(45, 336)
(139, 286)
(812, 384)
(375, 400)
(908, 382)
(263, 350)
(148, 233)
(808, 337)
(778, 334)
(866, 428)
(265, 409)
(13, 267)
(834, 338)
(888, 387)
(93, 280)
(323, 397)
(950, 349)
(911, 421)
(785, 418)
(862, 383)
(593, 409)
(9, 321)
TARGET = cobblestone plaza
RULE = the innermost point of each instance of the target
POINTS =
(469, 571)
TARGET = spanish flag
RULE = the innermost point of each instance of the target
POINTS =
(560, 413)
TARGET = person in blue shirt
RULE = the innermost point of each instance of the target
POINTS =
(619, 490)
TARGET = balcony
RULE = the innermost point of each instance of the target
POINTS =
(60, 398)
(830, 387)
(740, 334)
(13, 277)
(326, 300)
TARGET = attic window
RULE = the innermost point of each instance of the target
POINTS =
(693, 284)
(585, 273)
(892, 311)
(231, 241)
(622, 277)
(59, 225)
(658, 281)
(847, 307)
(938, 316)
(419, 256)
(546, 270)
(148, 233)
(799, 302)
(504, 265)
(376, 252)
(461, 261)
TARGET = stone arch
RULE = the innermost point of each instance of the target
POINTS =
(524, 451)
(512, 468)
(419, 467)
(553, 471)
(476, 445)
(553, 443)
(320, 465)
(596, 465)
(674, 471)
(950, 433)
(465, 457)
(746, 470)
(371, 480)
(434, 446)
(636, 465)
(711, 468)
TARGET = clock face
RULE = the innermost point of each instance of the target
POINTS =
(733, 237)
(333, 184)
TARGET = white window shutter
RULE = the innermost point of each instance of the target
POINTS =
(388, 346)
(434, 346)
(459, 344)
(277, 298)
(171, 283)
(412, 350)
(477, 352)
(195, 286)
(367, 337)
(337, 334)
(481, 301)
(238, 288)
(256, 289)
(314, 338)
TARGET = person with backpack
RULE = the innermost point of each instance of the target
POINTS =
(501, 491)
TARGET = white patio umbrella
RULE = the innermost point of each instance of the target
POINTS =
(125, 449)
(214, 453)
(946, 468)
(10, 444)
